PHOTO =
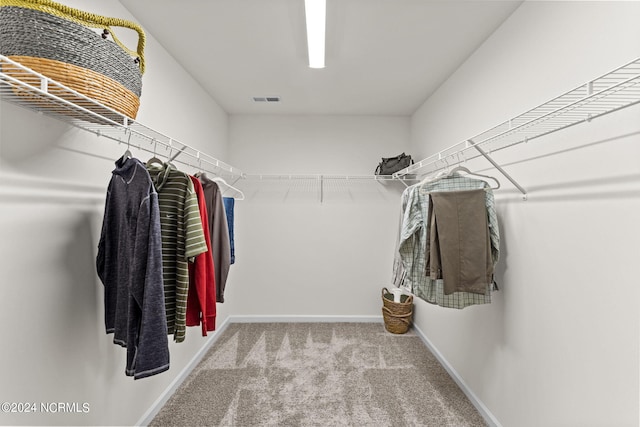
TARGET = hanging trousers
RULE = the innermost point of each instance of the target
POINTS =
(459, 241)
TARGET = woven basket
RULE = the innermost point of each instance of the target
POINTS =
(397, 315)
(62, 43)
(403, 307)
(396, 323)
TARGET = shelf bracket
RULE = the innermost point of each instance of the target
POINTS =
(403, 182)
(500, 169)
(180, 151)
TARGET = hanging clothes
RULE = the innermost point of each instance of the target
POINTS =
(201, 300)
(182, 240)
(229, 206)
(219, 233)
(410, 266)
(459, 244)
(130, 268)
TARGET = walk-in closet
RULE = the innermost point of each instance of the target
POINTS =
(529, 110)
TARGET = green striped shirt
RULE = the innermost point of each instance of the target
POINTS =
(182, 239)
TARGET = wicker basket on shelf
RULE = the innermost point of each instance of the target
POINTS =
(74, 48)
(397, 315)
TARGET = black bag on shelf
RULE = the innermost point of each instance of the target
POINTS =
(391, 165)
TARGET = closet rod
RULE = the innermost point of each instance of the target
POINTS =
(28, 89)
(606, 94)
(321, 176)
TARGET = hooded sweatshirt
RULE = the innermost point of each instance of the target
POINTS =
(129, 266)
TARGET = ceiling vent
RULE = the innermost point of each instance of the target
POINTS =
(268, 99)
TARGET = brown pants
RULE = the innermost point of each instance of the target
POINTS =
(459, 242)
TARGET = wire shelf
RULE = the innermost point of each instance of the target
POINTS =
(317, 177)
(28, 89)
(611, 92)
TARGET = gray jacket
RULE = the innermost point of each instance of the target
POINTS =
(129, 264)
(218, 232)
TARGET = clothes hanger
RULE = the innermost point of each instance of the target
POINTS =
(464, 169)
(437, 177)
(154, 160)
(229, 186)
(127, 154)
(203, 176)
(433, 178)
(201, 173)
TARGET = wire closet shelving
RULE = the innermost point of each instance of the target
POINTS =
(608, 93)
(26, 88)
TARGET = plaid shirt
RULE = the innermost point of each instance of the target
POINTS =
(409, 266)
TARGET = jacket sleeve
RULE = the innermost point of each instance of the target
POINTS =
(494, 230)
(102, 249)
(209, 312)
(220, 245)
(150, 352)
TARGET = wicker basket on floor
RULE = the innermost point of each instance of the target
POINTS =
(74, 48)
(397, 315)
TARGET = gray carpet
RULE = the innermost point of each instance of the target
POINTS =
(318, 374)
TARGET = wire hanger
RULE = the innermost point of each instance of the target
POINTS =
(154, 159)
(127, 154)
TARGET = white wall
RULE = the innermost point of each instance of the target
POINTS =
(559, 344)
(51, 306)
(296, 255)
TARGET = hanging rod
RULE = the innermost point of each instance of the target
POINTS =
(317, 177)
(321, 178)
(28, 89)
(608, 93)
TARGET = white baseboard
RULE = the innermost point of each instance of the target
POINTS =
(480, 406)
(179, 379)
(304, 319)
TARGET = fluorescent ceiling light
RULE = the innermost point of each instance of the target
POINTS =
(315, 11)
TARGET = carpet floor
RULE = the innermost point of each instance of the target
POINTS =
(318, 374)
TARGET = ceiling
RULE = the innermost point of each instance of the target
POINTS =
(383, 57)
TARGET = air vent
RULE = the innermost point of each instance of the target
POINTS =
(269, 99)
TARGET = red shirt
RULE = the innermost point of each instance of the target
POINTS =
(201, 300)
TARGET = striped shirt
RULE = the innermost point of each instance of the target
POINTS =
(182, 239)
(413, 245)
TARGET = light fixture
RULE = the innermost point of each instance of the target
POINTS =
(315, 11)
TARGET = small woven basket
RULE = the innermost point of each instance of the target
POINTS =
(403, 307)
(63, 44)
(397, 315)
(396, 323)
